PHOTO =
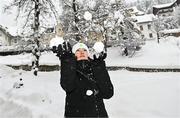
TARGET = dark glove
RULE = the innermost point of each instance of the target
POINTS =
(54, 49)
(101, 56)
(64, 51)
(99, 59)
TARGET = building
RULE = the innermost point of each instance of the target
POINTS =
(170, 32)
(146, 26)
(6, 39)
(133, 11)
(165, 9)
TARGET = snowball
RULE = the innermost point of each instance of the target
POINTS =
(36, 69)
(89, 92)
(56, 41)
(98, 47)
(87, 15)
(118, 15)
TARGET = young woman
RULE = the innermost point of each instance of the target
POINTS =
(85, 81)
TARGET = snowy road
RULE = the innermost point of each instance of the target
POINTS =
(137, 95)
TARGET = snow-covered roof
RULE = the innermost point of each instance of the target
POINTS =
(163, 5)
(144, 18)
(135, 11)
(4, 29)
(156, 8)
(170, 31)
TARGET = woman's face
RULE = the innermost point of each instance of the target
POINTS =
(81, 54)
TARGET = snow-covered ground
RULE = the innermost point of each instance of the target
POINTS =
(166, 54)
(137, 94)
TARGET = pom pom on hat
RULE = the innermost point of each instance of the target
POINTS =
(78, 46)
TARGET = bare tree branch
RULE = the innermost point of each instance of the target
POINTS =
(28, 16)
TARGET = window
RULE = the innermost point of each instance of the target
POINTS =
(15, 40)
(164, 15)
(149, 26)
(142, 36)
(141, 27)
(171, 10)
(150, 35)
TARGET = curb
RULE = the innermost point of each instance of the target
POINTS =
(48, 68)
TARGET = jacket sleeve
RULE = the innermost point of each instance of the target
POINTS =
(68, 74)
(103, 80)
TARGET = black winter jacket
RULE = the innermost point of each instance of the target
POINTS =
(86, 85)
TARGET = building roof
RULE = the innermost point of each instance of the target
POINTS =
(156, 8)
(171, 31)
(135, 11)
(144, 18)
(161, 6)
(5, 31)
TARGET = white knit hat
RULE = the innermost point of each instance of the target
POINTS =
(78, 46)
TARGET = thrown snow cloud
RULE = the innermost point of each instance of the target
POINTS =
(56, 41)
(98, 47)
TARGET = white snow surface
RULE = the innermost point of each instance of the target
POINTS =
(144, 18)
(166, 54)
(137, 94)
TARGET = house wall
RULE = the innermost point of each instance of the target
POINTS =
(4, 39)
(176, 34)
(15, 40)
(46, 38)
(166, 12)
(146, 31)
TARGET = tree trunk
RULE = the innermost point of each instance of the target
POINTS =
(158, 37)
(36, 50)
(75, 19)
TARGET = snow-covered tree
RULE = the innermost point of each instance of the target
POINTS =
(126, 30)
(84, 18)
(169, 23)
(36, 14)
(158, 26)
(69, 18)
(177, 15)
(98, 20)
(145, 5)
